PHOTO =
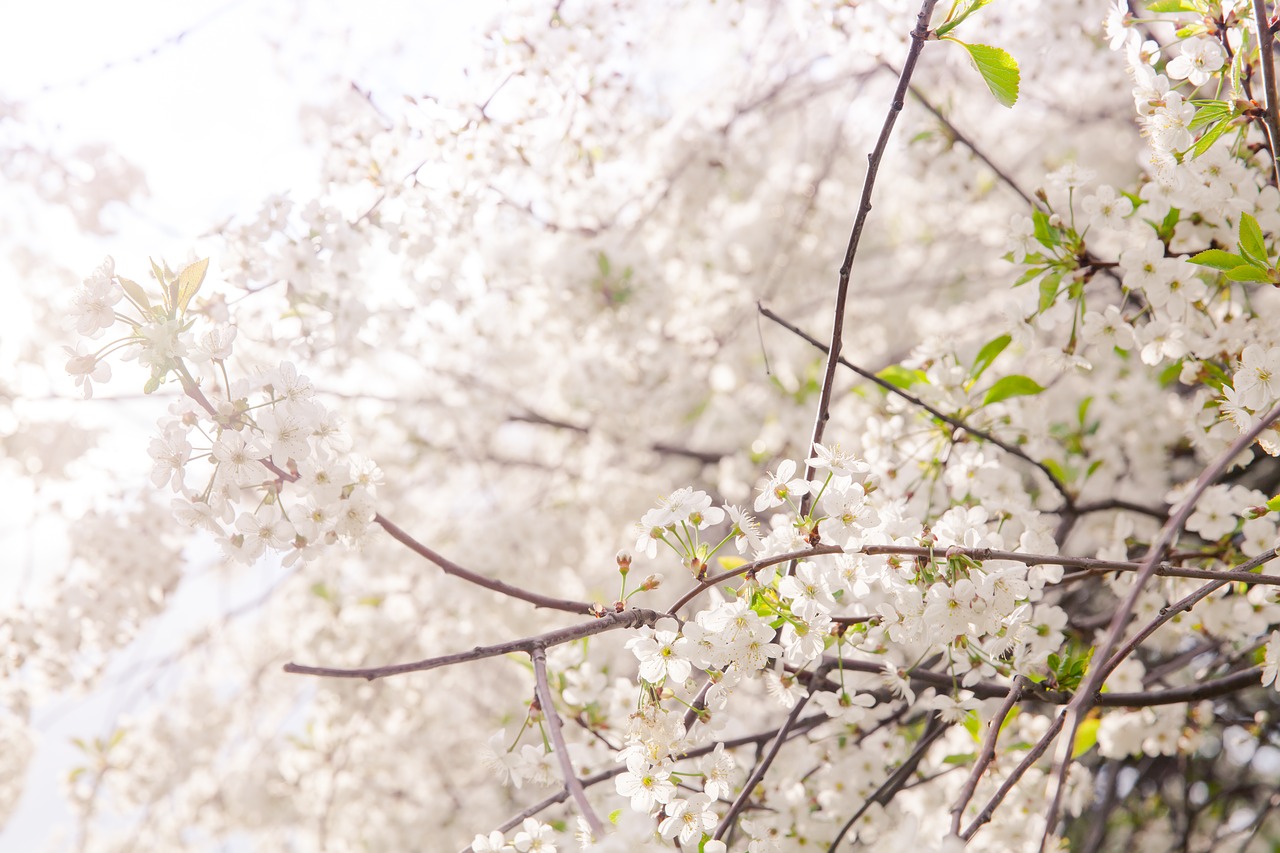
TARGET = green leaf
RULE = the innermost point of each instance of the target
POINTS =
(1205, 142)
(1049, 291)
(1011, 386)
(1057, 469)
(998, 69)
(901, 377)
(152, 384)
(1045, 233)
(189, 281)
(960, 10)
(1171, 6)
(1252, 244)
(989, 352)
(1217, 259)
(1274, 504)
(730, 563)
(135, 292)
(1028, 275)
(1086, 737)
(1247, 272)
(1208, 112)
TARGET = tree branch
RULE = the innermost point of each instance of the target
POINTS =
(767, 761)
(571, 781)
(627, 619)
(1266, 58)
(1086, 696)
(896, 780)
(957, 423)
(988, 752)
(918, 37)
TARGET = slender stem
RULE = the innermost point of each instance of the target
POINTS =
(1086, 696)
(1240, 574)
(918, 37)
(988, 753)
(762, 563)
(1266, 57)
(1058, 485)
(766, 761)
(451, 568)
(193, 390)
(571, 780)
(608, 622)
(1032, 756)
(889, 787)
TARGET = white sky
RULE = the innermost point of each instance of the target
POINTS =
(212, 119)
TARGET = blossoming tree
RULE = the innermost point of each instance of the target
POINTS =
(954, 531)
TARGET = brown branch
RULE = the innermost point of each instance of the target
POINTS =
(1242, 574)
(605, 775)
(1266, 58)
(988, 752)
(193, 390)
(1004, 177)
(1058, 485)
(706, 457)
(571, 780)
(1032, 756)
(451, 568)
(897, 779)
(766, 761)
(608, 622)
(762, 563)
(918, 37)
(1094, 678)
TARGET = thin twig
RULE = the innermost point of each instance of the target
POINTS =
(1241, 574)
(451, 568)
(1058, 485)
(988, 752)
(1266, 58)
(1086, 696)
(918, 37)
(896, 780)
(766, 761)
(605, 775)
(964, 140)
(571, 780)
(193, 390)
(1032, 756)
(762, 563)
(608, 622)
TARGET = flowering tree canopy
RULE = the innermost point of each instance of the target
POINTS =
(615, 497)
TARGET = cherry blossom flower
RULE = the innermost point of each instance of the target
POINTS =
(781, 487)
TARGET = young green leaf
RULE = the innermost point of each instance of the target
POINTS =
(1252, 244)
(1204, 143)
(989, 352)
(1086, 737)
(1049, 290)
(189, 281)
(1248, 273)
(896, 374)
(1011, 386)
(136, 294)
(1171, 6)
(1207, 112)
(960, 10)
(998, 69)
(1217, 259)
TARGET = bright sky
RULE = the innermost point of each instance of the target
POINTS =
(206, 99)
